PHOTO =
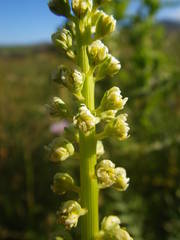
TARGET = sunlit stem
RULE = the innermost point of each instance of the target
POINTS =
(89, 187)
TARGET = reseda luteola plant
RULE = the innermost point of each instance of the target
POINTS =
(81, 41)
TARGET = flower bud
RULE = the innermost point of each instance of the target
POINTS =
(57, 108)
(124, 235)
(112, 100)
(99, 149)
(114, 66)
(85, 120)
(118, 127)
(60, 7)
(81, 7)
(111, 230)
(121, 182)
(62, 183)
(69, 214)
(63, 39)
(72, 79)
(107, 116)
(60, 150)
(62, 153)
(105, 172)
(110, 222)
(59, 238)
(77, 81)
(106, 24)
(97, 52)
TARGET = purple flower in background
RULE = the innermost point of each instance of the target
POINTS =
(58, 127)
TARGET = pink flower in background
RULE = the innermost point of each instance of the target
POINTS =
(58, 127)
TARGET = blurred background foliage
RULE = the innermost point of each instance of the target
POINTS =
(150, 56)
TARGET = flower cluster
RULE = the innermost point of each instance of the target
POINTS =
(85, 120)
(108, 175)
(81, 40)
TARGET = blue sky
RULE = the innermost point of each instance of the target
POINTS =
(30, 21)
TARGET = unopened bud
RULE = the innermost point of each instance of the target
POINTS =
(81, 7)
(112, 100)
(59, 238)
(97, 52)
(111, 230)
(99, 149)
(60, 150)
(114, 66)
(85, 120)
(60, 7)
(72, 79)
(77, 81)
(124, 235)
(69, 214)
(63, 39)
(62, 183)
(121, 182)
(118, 127)
(110, 222)
(57, 108)
(106, 24)
(105, 171)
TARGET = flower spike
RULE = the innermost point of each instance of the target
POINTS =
(90, 62)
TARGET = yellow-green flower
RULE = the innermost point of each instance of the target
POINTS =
(69, 214)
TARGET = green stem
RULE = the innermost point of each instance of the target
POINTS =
(89, 186)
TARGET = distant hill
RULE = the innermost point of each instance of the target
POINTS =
(171, 25)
